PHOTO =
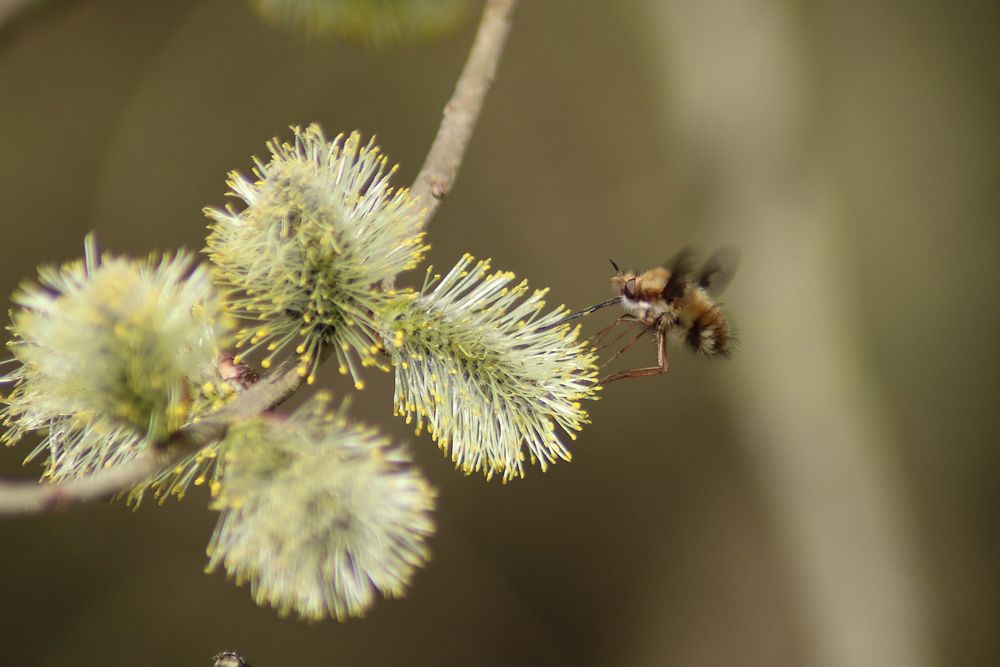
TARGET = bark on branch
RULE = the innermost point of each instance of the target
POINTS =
(440, 169)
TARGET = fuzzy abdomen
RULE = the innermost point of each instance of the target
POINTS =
(704, 327)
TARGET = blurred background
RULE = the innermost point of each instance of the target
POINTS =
(826, 497)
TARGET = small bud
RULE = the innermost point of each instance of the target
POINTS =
(230, 659)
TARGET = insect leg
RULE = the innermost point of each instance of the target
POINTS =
(661, 367)
(627, 345)
(602, 334)
(630, 323)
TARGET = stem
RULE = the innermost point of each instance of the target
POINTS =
(440, 169)
(35, 497)
(32, 497)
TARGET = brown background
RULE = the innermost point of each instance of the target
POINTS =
(828, 496)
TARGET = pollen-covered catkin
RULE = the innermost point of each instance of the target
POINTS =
(318, 514)
(110, 351)
(487, 373)
(303, 259)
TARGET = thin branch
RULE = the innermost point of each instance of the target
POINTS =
(440, 169)
(34, 497)
(433, 183)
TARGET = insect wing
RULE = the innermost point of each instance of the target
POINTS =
(681, 266)
(719, 269)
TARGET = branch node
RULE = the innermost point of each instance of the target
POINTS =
(440, 188)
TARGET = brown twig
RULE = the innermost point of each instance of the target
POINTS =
(440, 168)
(433, 183)
(33, 497)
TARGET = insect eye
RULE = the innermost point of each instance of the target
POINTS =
(630, 288)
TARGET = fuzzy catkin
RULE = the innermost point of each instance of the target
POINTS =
(486, 371)
(110, 353)
(319, 515)
(321, 229)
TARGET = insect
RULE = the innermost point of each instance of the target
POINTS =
(230, 659)
(671, 302)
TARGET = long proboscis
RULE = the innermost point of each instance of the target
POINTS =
(581, 313)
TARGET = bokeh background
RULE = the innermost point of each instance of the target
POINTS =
(827, 497)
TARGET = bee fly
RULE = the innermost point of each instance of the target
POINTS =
(672, 301)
